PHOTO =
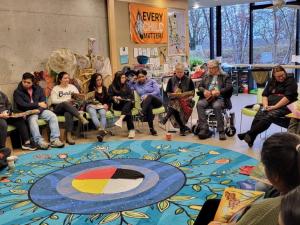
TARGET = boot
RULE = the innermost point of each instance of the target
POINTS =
(83, 120)
(69, 139)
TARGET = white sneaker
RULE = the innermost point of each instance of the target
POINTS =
(131, 134)
(119, 123)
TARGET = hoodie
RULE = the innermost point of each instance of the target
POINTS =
(4, 103)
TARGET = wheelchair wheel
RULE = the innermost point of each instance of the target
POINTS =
(230, 131)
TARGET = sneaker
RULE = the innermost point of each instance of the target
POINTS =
(241, 136)
(57, 144)
(43, 145)
(131, 134)
(222, 136)
(29, 146)
(83, 120)
(119, 123)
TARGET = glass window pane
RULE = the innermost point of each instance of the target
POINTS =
(235, 34)
(274, 35)
(199, 33)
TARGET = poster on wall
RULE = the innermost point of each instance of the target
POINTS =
(148, 25)
(176, 32)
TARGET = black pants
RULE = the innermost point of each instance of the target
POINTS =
(68, 110)
(20, 125)
(125, 107)
(3, 162)
(263, 120)
(176, 114)
(208, 211)
(149, 103)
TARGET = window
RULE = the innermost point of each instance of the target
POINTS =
(274, 35)
(199, 33)
(235, 34)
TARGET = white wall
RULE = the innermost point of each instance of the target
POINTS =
(31, 29)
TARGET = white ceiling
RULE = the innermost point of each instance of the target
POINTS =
(211, 3)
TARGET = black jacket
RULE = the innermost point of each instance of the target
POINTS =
(4, 103)
(225, 87)
(22, 98)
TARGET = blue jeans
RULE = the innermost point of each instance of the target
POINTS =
(93, 113)
(51, 118)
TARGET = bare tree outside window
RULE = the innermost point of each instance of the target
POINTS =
(274, 35)
(199, 33)
(235, 34)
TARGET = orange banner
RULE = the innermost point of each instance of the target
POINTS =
(148, 25)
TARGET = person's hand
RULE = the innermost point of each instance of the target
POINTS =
(105, 106)
(42, 105)
(1, 155)
(207, 94)
(215, 93)
(270, 108)
(4, 115)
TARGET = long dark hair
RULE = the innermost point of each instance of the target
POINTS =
(276, 69)
(93, 81)
(290, 207)
(60, 76)
(281, 157)
(116, 84)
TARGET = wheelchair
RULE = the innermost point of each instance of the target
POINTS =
(229, 122)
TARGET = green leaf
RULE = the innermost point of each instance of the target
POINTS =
(217, 189)
(110, 217)
(149, 157)
(196, 207)
(179, 211)
(180, 198)
(31, 181)
(134, 214)
(206, 180)
(197, 187)
(176, 164)
(120, 151)
(21, 204)
(95, 217)
(19, 192)
(225, 182)
(211, 196)
(54, 217)
(163, 205)
(190, 222)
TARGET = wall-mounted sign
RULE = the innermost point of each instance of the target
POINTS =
(148, 25)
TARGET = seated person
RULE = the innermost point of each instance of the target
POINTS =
(280, 91)
(290, 208)
(4, 154)
(103, 102)
(19, 123)
(148, 90)
(61, 100)
(180, 90)
(122, 100)
(28, 96)
(280, 157)
(215, 90)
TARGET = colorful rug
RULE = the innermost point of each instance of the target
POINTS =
(119, 183)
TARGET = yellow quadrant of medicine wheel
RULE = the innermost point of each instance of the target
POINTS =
(90, 186)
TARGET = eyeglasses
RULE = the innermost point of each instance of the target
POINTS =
(212, 67)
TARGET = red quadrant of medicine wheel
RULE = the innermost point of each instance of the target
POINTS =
(105, 173)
